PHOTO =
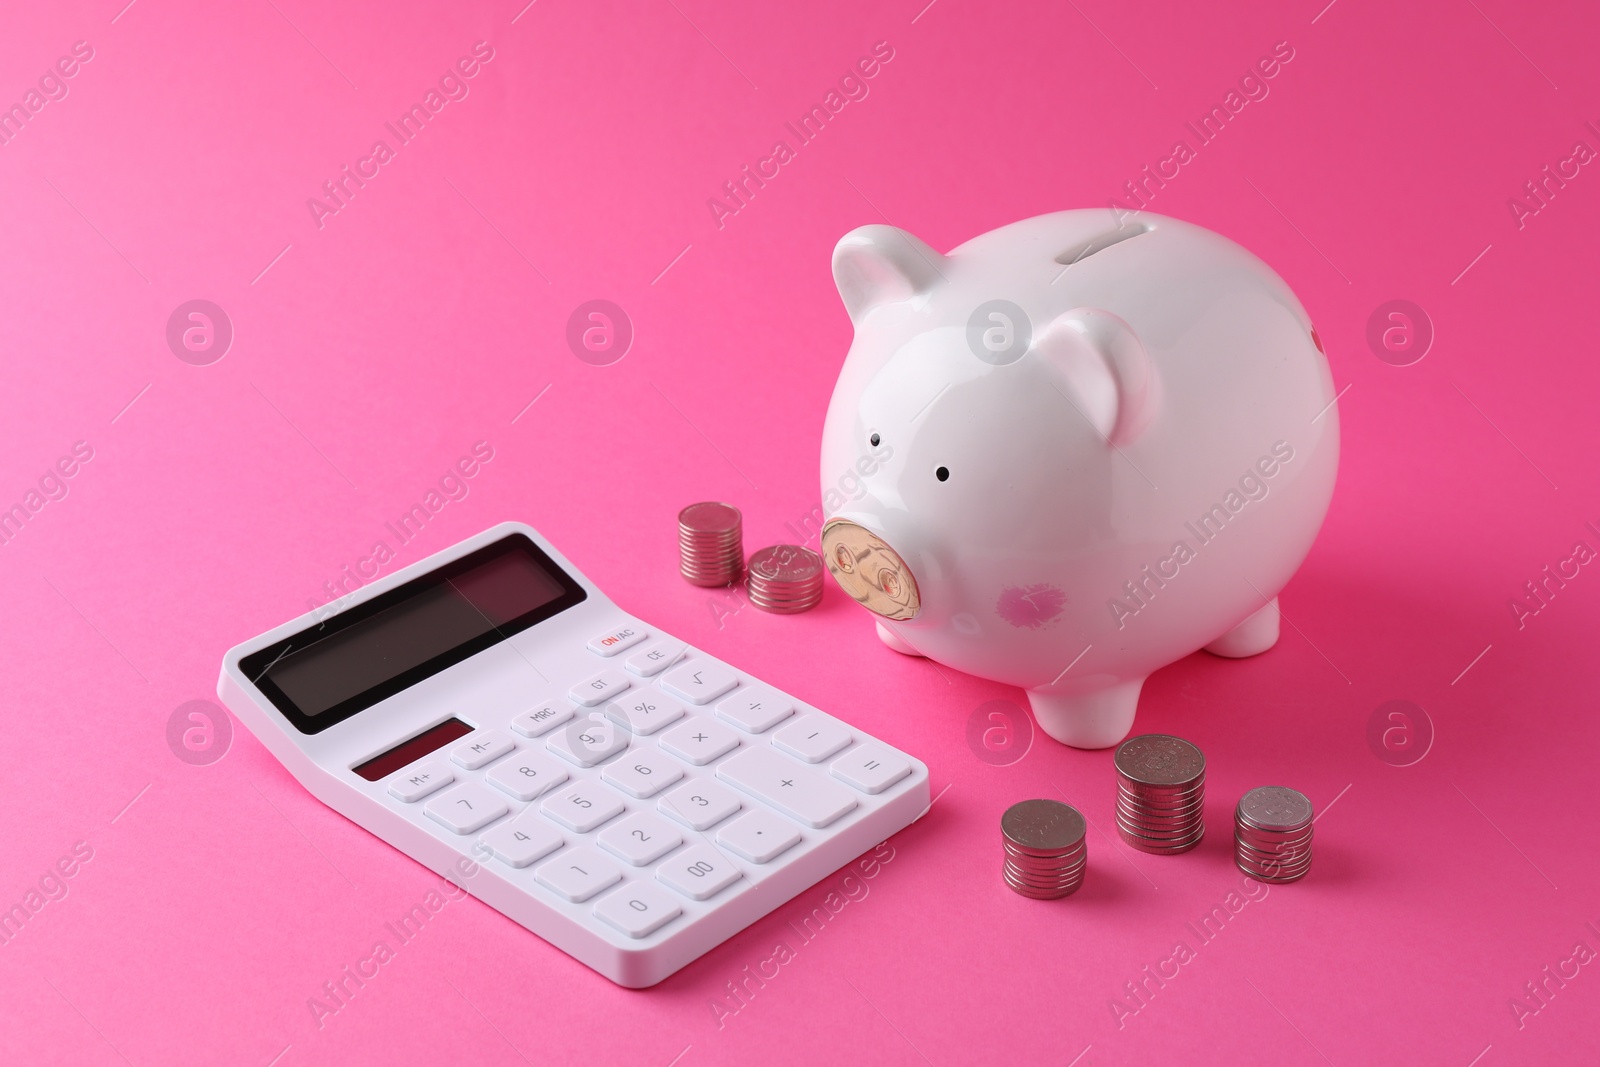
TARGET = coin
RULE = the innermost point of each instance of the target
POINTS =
(1043, 824)
(710, 548)
(1275, 807)
(1159, 759)
(784, 579)
(1161, 793)
(1046, 852)
(1272, 834)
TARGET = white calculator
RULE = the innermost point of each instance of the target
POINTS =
(633, 801)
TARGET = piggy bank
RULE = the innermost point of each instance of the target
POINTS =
(1071, 451)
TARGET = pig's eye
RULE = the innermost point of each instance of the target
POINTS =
(942, 473)
(874, 439)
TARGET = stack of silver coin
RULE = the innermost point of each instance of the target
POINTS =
(1161, 793)
(1272, 834)
(1046, 851)
(710, 544)
(784, 579)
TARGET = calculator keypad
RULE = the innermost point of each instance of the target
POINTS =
(699, 872)
(589, 741)
(527, 775)
(523, 840)
(643, 772)
(638, 910)
(699, 682)
(640, 839)
(700, 805)
(644, 711)
(420, 779)
(652, 659)
(481, 749)
(584, 806)
(467, 808)
(542, 718)
(700, 740)
(592, 692)
(653, 785)
(578, 873)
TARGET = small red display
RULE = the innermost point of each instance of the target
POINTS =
(411, 751)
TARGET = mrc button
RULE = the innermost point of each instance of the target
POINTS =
(609, 644)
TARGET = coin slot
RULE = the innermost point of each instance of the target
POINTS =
(1084, 249)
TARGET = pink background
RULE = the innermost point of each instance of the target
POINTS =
(427, 314)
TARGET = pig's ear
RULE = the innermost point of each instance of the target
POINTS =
(1107, 372)
(882, 265)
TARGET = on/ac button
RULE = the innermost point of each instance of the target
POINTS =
(609, 644)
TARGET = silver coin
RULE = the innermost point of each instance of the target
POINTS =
(1125, 802)
(710, 517)
(1157, 850)
(1275, 807)
(1041, 858)
(786, 565)
(1041, 874)
(1159, 759)
(1047, 869)
(1274, 876)
(1265, 841)
(1042, 894)
(1255, 855)
(1043, 824)
(1172, 843)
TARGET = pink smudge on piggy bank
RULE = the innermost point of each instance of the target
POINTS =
(1030, 606)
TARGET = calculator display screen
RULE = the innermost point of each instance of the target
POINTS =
(353, 660)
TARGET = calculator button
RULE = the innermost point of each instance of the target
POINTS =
(523, 840)
(481, 749)
(755, 709)
(643, 773)
(699, 740)
(812, 738)
(526, 775)
(609, 644)
(792, 788)
(700, 805)
(653, 659)
(699, 682)
(645, 711)
(759, 835)
(589, 741)
(582, 807)
(467, 808)
(593, 692)
(870, 768)
(638, 910)
(699, 872)
(578, 874)
(418, 780)
(640, 839)
(542, 718)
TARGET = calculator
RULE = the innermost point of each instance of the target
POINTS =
(632, 800)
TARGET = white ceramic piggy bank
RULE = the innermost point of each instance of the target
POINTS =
(1087, 450)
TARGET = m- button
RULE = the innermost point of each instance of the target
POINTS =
(481, 748)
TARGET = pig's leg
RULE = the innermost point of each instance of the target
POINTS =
(893, 640)
(1250, 638)
(1087, 720)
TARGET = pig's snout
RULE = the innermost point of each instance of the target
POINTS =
(869, 570)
